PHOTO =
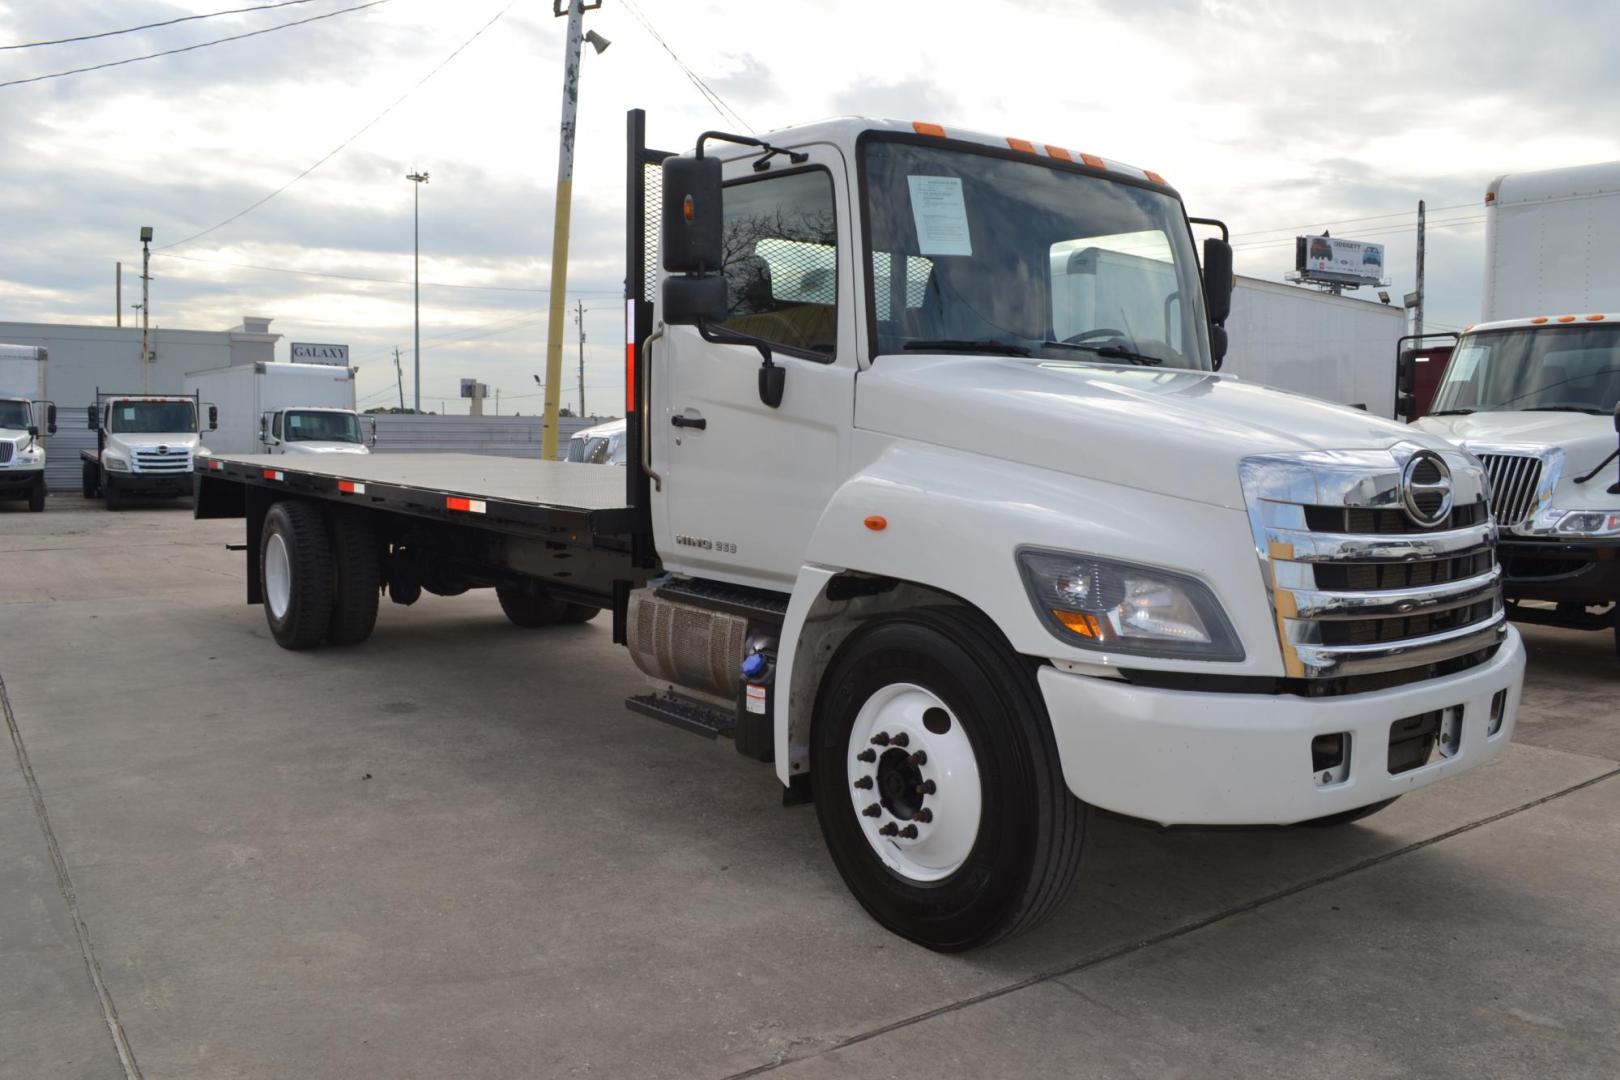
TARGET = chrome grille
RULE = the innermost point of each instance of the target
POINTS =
(5, 451)
(175, 460)
(1353, 602)
(1515, 483)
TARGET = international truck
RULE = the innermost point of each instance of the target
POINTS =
(26, 419)
(958, 574)
(1312, 342)
(275, 408)
(603, 444)
(146, 446)
(1533, 390)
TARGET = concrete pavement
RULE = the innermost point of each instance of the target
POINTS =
(451, 852)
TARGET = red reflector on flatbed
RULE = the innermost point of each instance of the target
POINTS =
(273, 474)
(351, 487)
(466, 506)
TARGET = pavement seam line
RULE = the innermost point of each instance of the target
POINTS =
(64, 884)
(1096, 959)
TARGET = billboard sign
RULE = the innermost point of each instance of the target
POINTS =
(473, 388)
(304, 352)
(1344, 262)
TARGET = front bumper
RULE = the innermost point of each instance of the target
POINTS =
(20, 481)
(150, 484)
(1564, 571)
(1184, 758)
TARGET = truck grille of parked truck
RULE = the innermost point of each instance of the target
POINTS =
(162, 460)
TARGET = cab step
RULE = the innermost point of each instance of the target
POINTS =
(684, 713)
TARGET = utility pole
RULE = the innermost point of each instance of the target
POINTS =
(399, 378)
(118, 294)
(579, 319)
(559, 233)
(419, 178)
(1417, 311)
(497, 401)
(146, 307)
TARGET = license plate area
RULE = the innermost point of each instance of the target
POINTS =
(1413, 740)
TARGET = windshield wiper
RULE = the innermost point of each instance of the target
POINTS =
(1451, 412)
(1108, 352)
(1566, 408)
(984, 345)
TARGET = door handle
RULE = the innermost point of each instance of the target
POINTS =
(697, 422)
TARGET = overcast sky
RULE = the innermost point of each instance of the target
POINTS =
(1277, 117)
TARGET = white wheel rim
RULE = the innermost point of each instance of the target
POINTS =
(922, 836)
(277, 576)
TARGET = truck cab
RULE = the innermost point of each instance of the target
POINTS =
(315, 430)
(26, 418)
(146, 446)
(1536, 400)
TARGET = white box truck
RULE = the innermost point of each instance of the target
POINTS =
(26, 419)
(1534, 391)
(958, 573)
(274, 408)
(1307, 341)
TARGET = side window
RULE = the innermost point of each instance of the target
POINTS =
(781, 261)
(275, 424)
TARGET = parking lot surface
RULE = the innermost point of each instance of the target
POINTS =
(450, 852)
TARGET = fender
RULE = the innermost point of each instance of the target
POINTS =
(951, 522)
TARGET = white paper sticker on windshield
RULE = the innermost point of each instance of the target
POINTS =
(1463, 368)
(941, 215)
(129, 412)
(295, 421)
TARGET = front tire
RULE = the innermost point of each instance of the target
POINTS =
(90, 480)
(114, 497)
(980, 838)
(36, 497)
(296, 574)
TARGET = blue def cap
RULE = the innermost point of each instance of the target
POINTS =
(753, 665)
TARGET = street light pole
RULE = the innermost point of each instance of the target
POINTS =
(419, 178)
(146, 305)
(559, 233)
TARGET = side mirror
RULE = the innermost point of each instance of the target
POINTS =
(90, 414)
(213, 418)
(1217, 346)
(33, 431)
(1218, 279)
(50, 419)
(693, 217)
(1406, 373)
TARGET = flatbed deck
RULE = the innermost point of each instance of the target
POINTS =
(508, 494)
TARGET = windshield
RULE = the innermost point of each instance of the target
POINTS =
(309, 425)
(1019, 256)
(14, 414)
(153, 417)
(1575, 368)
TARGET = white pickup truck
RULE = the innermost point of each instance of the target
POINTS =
(146, 446)
(959, 568)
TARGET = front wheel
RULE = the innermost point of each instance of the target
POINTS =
(36, 496)
(90, 480)
(937, 782)
(109, 491)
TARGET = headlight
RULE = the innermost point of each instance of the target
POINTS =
(114, 464)
(1124, 608)
(1589, 523)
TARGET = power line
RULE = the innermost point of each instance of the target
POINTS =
(369, 124)
(151, 26)
(703, 88)
(192, 48)
(1349, 221)
(1382, 230)
(377, 280)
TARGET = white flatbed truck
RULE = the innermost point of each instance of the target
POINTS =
(958, 577)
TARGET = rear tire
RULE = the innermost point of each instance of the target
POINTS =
(1001, 835)
(531, 607)
(579, 613)
(296, 574)
(36, 496)
(358, 569)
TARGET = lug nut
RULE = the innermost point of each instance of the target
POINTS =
(867, 756)
(924, 815)
(891, 829)
(919, 758)
(901, 739)
(926, 788)
(864, 782)
(881, 739)
(909, 832)
(873, 810)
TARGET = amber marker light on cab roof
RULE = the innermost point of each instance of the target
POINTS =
(1094, 161)
(1566, 318)
(1594, 318)
(1021, 144)
(1155, 177)
(1539, 319)
(927, 129)
(1059, 153)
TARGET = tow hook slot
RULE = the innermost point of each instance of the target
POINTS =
(1330, 758)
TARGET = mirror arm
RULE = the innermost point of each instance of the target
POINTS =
(1216, 222)
(772, 378)
(797, 157)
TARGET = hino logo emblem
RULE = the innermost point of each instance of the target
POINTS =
(1426, 489)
